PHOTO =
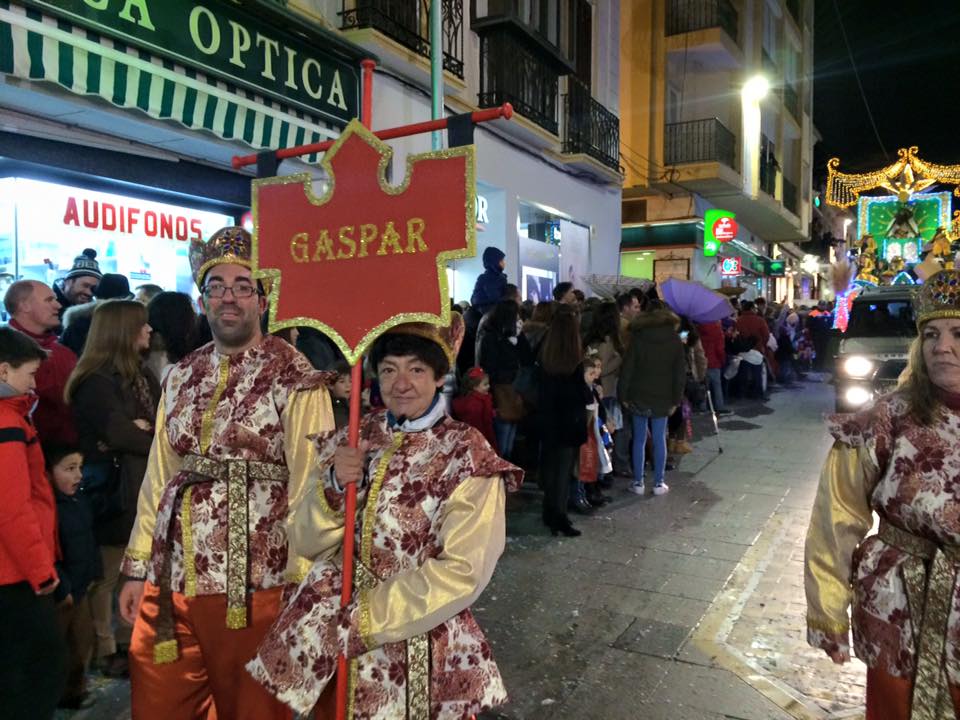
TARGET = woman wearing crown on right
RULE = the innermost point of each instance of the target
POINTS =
(899, 458)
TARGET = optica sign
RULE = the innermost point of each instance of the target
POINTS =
(731, 266)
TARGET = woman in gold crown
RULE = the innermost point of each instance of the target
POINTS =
(430, 527)
(900, 459)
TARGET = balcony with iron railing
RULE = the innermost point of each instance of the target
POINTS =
(792, 101)
(790, 197)
(699, 141)
(588, 126)
(685, 16)
(513, 70)
(407, 22)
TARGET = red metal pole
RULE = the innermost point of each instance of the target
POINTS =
(353, 438)
(504, 111)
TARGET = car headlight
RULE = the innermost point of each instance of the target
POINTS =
(857, 366)
(857, 396)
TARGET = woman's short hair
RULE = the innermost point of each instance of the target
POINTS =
(400, 345)
(16, 348)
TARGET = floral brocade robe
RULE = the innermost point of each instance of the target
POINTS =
(883, 462)
(257, 406)
(430, 527)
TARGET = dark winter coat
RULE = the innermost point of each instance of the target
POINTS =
(104, 408)
(488, 290)
(52, 417)
(80, 564)
(502, 359)
(76, 326)
(561, 414)
(654, 370)
(28, 515)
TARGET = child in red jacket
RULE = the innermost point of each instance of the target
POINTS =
(475, 405)
(33, 663)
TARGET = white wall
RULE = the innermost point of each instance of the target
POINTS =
(520, 175)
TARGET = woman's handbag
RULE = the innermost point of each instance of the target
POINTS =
(101, 483)
(525, 383)
(508, 403)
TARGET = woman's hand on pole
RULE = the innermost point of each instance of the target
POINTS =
(349, 463)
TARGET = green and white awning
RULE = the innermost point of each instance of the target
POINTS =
(37, 47)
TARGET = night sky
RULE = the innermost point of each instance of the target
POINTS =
(908, 55)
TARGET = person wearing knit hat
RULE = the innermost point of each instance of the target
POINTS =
(80, 281)
(77, 320)
(896, 459)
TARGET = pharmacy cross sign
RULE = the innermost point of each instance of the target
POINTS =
(362, 255)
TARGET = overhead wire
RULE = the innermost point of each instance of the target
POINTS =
(856, 74)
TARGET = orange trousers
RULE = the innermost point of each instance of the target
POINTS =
(208, 681)
(888, 697)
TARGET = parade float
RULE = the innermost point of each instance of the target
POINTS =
(902, 236)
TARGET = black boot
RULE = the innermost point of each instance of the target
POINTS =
(595, 495)
(580, 506)
(565, 528)
(606, 482)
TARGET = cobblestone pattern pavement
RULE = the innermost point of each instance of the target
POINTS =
(687, 606)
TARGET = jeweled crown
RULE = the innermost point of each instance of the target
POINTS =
(230, 245)
(939, 297)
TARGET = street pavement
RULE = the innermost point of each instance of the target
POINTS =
(687, 606)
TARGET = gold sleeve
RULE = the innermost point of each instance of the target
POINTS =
(841, 518)
(162, 464)
(472, 536)
(308, 412)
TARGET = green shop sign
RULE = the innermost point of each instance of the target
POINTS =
(230, 42)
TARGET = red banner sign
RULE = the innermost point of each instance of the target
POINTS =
(365, 256)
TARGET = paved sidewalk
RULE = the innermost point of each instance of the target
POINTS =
(683, 606)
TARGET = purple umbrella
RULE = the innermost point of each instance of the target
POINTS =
(694, 301)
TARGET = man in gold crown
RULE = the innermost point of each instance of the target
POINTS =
(430, 527)
(208, 556)
(898, 458)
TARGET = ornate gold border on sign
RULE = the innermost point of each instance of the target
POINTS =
(353, 355)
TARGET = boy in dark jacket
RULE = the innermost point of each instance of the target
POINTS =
(79, 566)
(33, 662)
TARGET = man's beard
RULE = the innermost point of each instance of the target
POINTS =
(237, 334)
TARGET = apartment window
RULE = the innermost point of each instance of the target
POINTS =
(582, 41)
(674, 99)
(771, 22)
(548, 18)
(791, 58)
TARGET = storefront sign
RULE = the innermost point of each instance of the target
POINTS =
(731, 266)
(144, 240)
(776, 268)
(482, 210)
(227, 40)
(364, 239)
(719, 227)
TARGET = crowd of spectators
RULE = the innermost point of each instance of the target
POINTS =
(579, 391)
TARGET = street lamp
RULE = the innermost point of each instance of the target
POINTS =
(753, 91)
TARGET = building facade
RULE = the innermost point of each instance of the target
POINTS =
(120, 119)
(549, 179)
(716, 99)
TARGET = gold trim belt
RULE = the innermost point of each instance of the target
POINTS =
(929, 594)
(237, 474)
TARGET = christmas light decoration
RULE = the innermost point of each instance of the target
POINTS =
(903, 178)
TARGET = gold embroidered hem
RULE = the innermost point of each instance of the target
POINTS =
(930, 595)
(165, 651)
(418, 678)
